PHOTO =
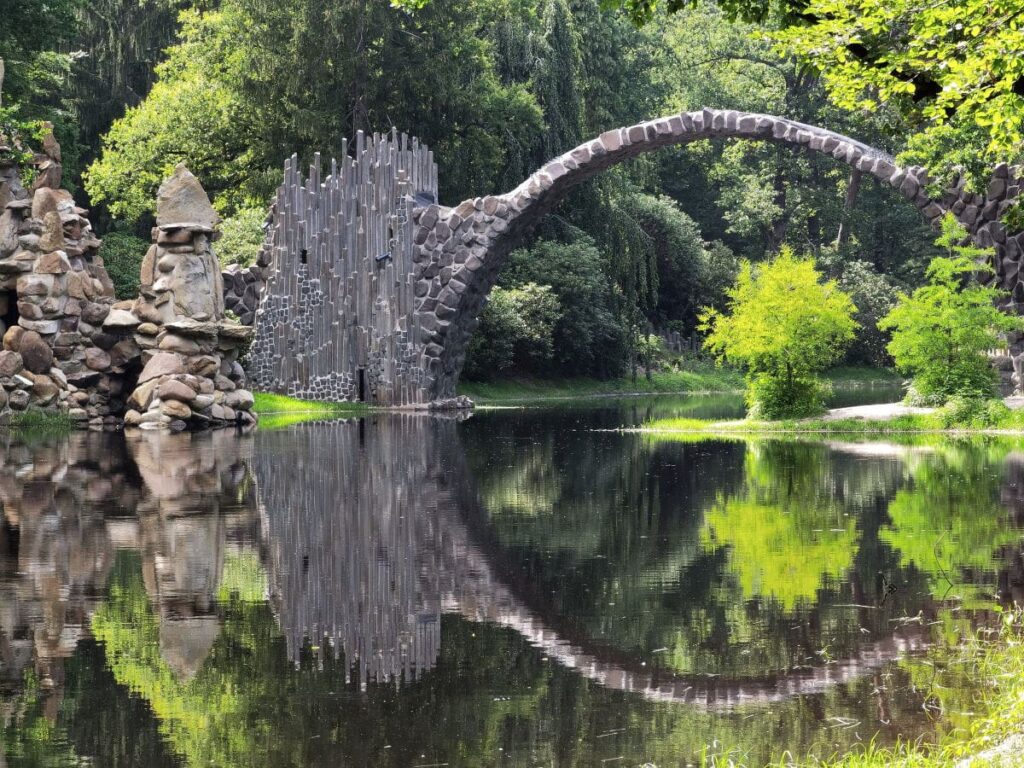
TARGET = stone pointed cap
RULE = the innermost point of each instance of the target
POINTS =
(181, 201)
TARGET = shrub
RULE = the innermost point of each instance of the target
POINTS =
(942, 331)
(771, 397)
(784, 325)
(241, 236)
(589, 337)
(516, 331)
(122, 256)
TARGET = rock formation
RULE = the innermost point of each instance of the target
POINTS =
(68, 345)
(191, 375)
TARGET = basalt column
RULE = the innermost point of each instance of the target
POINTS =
(339, 318)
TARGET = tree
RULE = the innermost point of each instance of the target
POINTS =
(942, 331)
(784, 325)
(516, 331)
(939, 64)
(589, 336)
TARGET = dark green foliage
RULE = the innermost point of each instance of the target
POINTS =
(589, 338)
(874, 296)
(122, 255)
(516, 333)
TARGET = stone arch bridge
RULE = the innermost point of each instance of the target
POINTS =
(373, 289)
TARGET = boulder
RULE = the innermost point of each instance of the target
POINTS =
(18, 400)
(120, 319)
(96, 359)
(181, 202)
(52, 238)
(12, 337)
(44, 390)
(172, 389)
(175, 409)
(162, 364)
(35, 353)
(10, 364)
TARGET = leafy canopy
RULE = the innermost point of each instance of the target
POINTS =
(783, 324)
(942, 331)
(939, 63)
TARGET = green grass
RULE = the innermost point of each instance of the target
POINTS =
(38, 420)
(705, 378)
(986, 418)
(696, 378)
(993, 661)
(276, 411)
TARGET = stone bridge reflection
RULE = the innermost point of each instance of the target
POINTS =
(359, 526)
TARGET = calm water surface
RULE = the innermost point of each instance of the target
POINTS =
(523, 588)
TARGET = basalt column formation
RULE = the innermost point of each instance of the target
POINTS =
(339, 319)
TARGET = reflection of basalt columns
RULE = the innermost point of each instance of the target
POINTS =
(351, 514)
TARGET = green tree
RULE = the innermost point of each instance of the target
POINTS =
(589, 336)
(784, 325)
(941, 332)
(516, 331)
(940, 64)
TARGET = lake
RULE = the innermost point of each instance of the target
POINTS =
(525, 587)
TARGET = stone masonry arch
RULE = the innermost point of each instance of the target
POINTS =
(371, 289)
(462, 249)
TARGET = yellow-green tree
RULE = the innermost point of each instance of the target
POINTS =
(942, 331)
(784, 324)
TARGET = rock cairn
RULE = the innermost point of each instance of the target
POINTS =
(190, 373)
(59, 352)
(169, 358)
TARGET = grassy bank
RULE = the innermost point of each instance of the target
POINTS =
(697, 378)
(985, 418)
(987, 729)
(39, 420)
(277, 411)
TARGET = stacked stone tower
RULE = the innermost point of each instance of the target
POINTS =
(190, 350)
(168, 359)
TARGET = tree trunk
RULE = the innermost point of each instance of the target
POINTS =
(852, 190)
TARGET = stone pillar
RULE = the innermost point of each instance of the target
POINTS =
(191, 377)
(53, 282)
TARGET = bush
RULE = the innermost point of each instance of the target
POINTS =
(784, 325)
(589, 337)
(942, 332)
(122, 255)
(771, 397)
(241, 237)
(977, 412)
(516, 331)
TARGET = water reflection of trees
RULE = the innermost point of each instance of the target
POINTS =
(706, 557)
(160, 551)
(958, 510)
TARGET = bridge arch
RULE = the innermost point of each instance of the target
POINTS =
(461, 250)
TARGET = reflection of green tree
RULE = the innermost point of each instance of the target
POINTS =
(641, 547)
(786, 538)
(28, 737)
(949, 523)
